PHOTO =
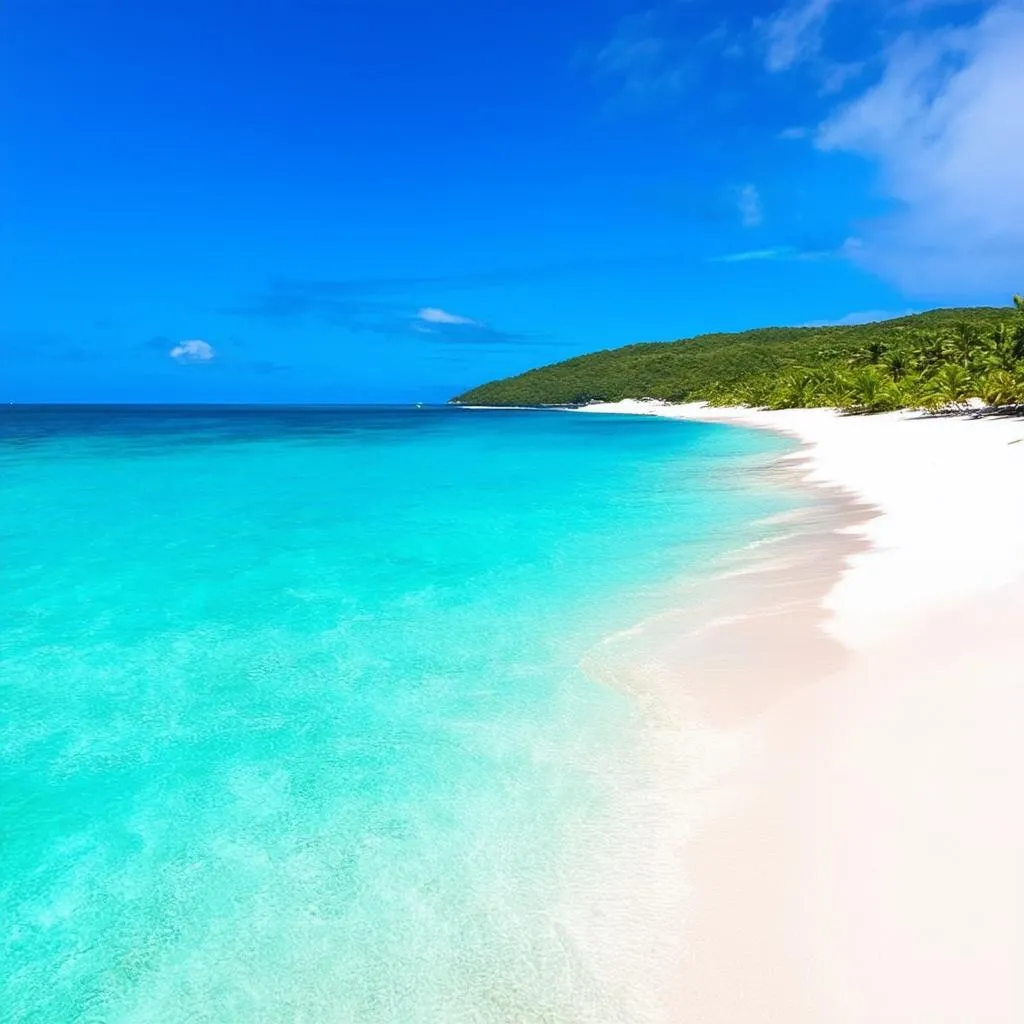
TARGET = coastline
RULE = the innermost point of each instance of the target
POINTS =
(862, 861)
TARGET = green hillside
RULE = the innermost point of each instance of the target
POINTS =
(935, 359)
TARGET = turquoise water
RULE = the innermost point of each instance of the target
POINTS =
(292, 724)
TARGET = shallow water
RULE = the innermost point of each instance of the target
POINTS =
(292, 724)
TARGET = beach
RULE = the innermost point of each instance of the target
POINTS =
(511, 716)
(863, 860)
(294, 721)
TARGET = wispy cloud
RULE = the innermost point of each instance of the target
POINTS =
(194, 351)
(664, 52)
(661, 52)
(380, 306)
(756, 255)
(834, 76)
(440, 326)
(944, 124)
(643, 55)
(433, 315)
(774, 253)
(393, 306)
(356, 299)
(794, 33)
(748, 202)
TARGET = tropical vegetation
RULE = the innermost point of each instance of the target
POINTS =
(937, 360)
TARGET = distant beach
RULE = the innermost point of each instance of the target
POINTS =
(858, 684)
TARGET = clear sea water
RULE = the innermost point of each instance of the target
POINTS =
(292, 723)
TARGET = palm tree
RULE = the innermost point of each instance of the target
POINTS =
(999, 351)
(966, 339)
(796, 389)
(875, 350)
(757, 392)
(1000, 387)
(1017, 341)
(913, 392)
(930, 349)
(951, 385)
(836, 389)
(1017, 336)
(872, 392)
(898, 362)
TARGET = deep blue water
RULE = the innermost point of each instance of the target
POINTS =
(292, 724)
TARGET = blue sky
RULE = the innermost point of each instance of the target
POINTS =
(381, 200)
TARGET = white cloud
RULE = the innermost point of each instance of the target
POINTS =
(433, 315)
(655, 53)
(756, 255)
(778, 252)
(794, 33)
(945, 126)
(748, 202)
(194, 351)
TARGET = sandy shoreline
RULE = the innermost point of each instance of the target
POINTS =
(869, 865)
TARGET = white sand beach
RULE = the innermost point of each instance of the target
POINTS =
(872, 870)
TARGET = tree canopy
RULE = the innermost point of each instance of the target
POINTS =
(929, 360)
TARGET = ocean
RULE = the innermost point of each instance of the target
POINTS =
(293, 724)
